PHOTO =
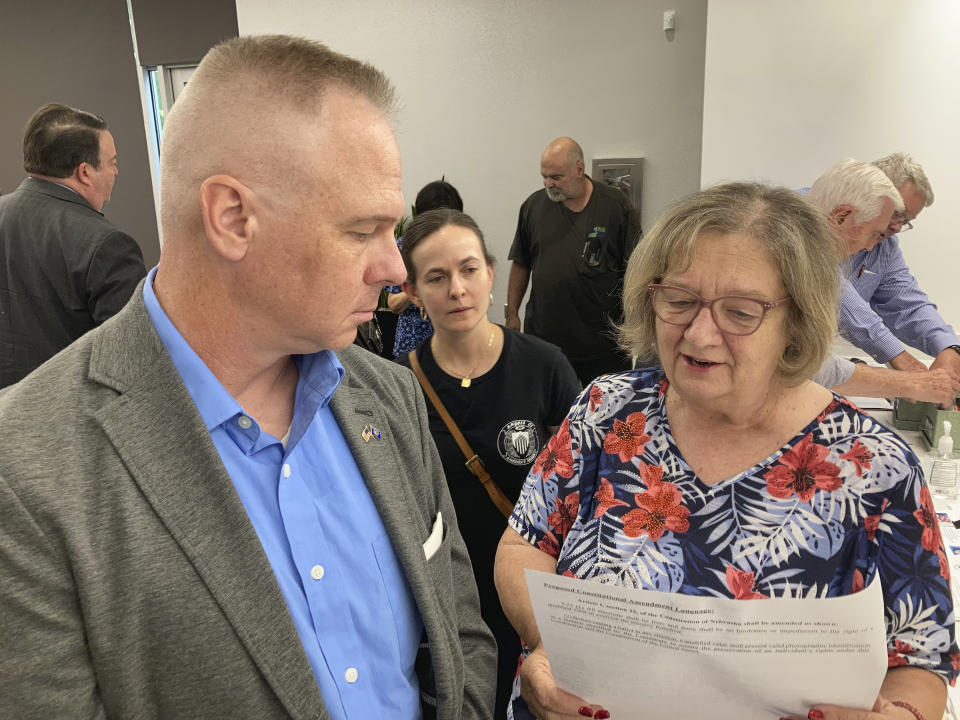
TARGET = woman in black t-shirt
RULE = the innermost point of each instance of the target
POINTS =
(506, 391)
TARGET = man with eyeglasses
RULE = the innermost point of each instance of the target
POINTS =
(882, 310)
(864, 207)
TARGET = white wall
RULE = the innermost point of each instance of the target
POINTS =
(486, 84)
(792, 87)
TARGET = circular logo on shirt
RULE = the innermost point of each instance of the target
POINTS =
(518, 442)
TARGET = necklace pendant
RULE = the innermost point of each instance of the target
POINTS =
(465, 382)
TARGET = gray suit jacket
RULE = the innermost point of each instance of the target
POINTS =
(132, 584)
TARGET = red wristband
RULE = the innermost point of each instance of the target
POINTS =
(907, 706)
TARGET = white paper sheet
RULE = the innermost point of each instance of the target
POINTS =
(646, 654)
(870, 403)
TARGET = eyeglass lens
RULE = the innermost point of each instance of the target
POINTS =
(902, 221)
(734, 315)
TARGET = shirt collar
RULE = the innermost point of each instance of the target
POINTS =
(320, 373)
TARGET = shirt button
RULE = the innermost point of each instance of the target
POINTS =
(351, 675)
(286, 470)
(316, 572)
(244, 422)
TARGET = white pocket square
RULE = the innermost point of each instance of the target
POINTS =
(436, 537)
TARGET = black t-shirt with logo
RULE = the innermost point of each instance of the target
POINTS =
(577, 262)
(503, 415)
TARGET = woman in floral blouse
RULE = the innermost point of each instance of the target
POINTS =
(724, 471)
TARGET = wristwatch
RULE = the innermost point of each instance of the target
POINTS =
(955, 348)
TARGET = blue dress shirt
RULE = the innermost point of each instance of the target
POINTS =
(882, 307)
(334, 563)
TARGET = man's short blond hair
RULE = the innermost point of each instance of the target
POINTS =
(232, 116)
(794, 233)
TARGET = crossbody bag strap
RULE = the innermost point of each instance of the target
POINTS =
(474, 463)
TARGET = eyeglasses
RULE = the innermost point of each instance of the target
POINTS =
(902, 221)
(733, 314)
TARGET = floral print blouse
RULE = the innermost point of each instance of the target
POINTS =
(612, 499)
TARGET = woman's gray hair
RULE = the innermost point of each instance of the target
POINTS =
(795, 233)
(901, 168)
(860, 185)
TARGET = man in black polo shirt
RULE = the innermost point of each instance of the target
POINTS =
(575, 236)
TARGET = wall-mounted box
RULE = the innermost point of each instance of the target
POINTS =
(624, 174)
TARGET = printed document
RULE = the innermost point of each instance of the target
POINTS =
(647, 654)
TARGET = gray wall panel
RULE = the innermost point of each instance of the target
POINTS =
(80, 54)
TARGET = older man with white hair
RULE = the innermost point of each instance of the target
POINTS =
(863, 204)
(883, 308)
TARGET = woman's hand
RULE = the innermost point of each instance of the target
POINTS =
(882, 710)
(545, 700)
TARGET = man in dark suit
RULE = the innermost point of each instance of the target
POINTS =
(213, 505)
(64, 268)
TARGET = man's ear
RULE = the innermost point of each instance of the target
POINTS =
(81, 173)
(840, 214)
(227, 208)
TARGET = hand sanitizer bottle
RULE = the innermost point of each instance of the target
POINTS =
(945, 471)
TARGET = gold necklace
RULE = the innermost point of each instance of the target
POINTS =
(466, 379)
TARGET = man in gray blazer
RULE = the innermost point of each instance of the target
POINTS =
(213, 506)
(64, 268)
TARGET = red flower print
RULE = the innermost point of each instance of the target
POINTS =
(955, 661)
(944, 565)
(925, 515)
(605, 498)
(660, 508)
(568, 573)
(803, 470)
(562, 520)
(872, 522)
(556, 457)
(895, 660)
(829, 409)
(895, 657)
(857, 584)
(740, 583)
(549, 545)
(663, 387)
(859, 455)
(596, 397)
(904, 648)
(652, 474)
(627, 438)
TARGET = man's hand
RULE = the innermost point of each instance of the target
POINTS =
(934, 385)
(545, 699)
(947, 359)
(906, 361)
